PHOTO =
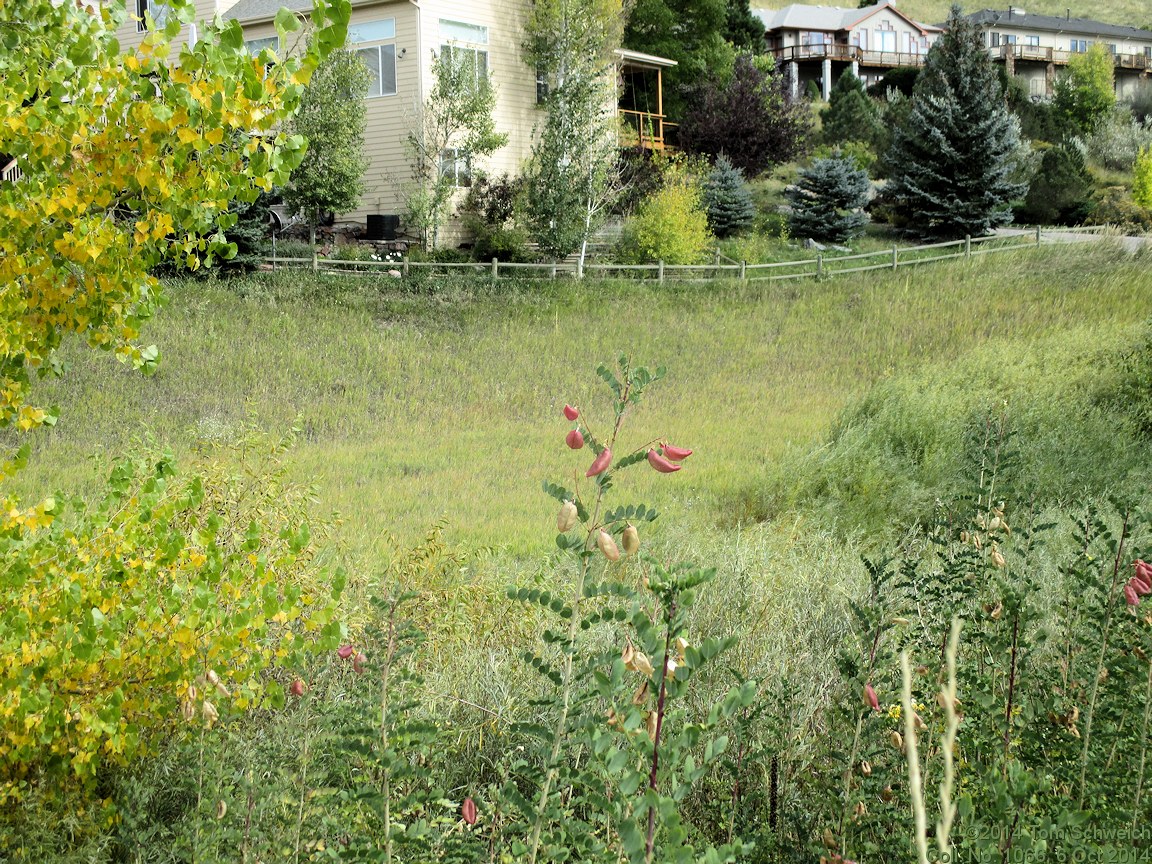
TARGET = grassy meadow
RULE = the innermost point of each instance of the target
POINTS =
(830, 419)
(420, 407)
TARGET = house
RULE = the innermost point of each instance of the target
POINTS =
(1035, 47)
(817, 43)
(397, 40)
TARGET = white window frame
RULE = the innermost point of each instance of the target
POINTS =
(1032, 41)
(376, 39)
(255, 46)
(452, 43)
(455, 162)
(159, 12)
(1078, 46)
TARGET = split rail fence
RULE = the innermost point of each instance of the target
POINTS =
(821, 266)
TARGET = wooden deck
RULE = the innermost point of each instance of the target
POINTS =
(848, 54)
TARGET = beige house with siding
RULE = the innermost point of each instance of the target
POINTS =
(1036, 47)
(398, 39)
(818, 43)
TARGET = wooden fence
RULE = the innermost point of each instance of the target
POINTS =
(821, 266)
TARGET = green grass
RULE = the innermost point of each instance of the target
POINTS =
(417, 407)
(1133, 13)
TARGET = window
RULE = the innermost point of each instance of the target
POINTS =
(1078, 46)
(885, 40)
(456, 164)
(542, 88)
(380, 59)
(1032, 41)
(1111, 47)
(255, 46)
(995, 39)
(462, 44)
(159, 14)
(1009, 39)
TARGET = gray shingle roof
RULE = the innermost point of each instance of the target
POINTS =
(799, 16)
(1056, 24)
(247, 10)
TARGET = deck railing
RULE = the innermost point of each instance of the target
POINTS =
(1060, 57)
(11, 172)
(644, 129)
(848, 54)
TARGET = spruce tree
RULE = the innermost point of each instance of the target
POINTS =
(727, 199)
(951, 162)
(850, 115)
(828, 200)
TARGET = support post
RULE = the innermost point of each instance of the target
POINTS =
(405, 266)
(1037, 235)
(855, 68)
(660, 272)
(895, 257)
(792, 70)
(553, 268)
(495, 270)
(743, 271)
(315, 263)
(967, 246)
(826, 79)
(819, 264)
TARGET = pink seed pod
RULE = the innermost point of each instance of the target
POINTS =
(358, 663)
(345, 651)
(1140, 585)
(660, 463)
(574, 439)
(1143, 570)
(676, 454)
(570, 412)
(870, 698)
(297, 687)
(468, 811)
(600, 464)
(1130, 595)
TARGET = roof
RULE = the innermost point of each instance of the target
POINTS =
(1055, 24)
(827, 18)
(265, 10)
(637, 58)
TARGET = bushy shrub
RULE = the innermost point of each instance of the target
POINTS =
(862, 155)
(178, 599)
(828, 201)
(1116, 207)
(490, 216)
(1061, 190)
(727, 199)
(294, 249)
(1141, 103)
(669, 226)
(750, 117)
(1116, 140)
(901, 79)
(1142, 178)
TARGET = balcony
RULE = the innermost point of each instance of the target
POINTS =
(840, 53)
(10, 172)
(643, 123)
(1041, 54)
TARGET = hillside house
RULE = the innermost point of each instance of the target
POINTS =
(397, 40)
(817, 43)
(1035, 47)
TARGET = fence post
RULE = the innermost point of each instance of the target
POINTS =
(405, 266)
(495, 269)
(660, 272)
(553, 268)
(967, 246)
(819, 264)
(743, 271)
(315, 263)
(1037, 235)
(895, 256)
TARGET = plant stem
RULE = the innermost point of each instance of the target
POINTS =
(663, 672)
(1100, 662)
(947, 807)
(573, 632)
(1143, 748)
(915, 790)
(303, 795)
(386, 783)
(1011, 693)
